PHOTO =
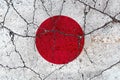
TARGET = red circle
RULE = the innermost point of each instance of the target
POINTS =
(58, 39)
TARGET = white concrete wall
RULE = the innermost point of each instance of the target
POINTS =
(100, 59)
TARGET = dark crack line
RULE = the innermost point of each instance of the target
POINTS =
(88, 55)
(45, 8)
(8, 5)
(34, 5)
(84, 26)
(27, 31)
(83, 76)
(34, 46)
(59, 31)
(85, 14)
(12, 34)
(62, 7)
(54, 44)
(24, 66)
(21, 67)
(79, 45)
(46, 31)
(104, 70)
(17, 33)
(99, 28)
(12, 39)
(106, 5)
(19, 13)
(34, 72)
(7, 2)
(51, 7)
(94, 2)
(113, 18)
(117, 14)
(54, 72)
(5, 15)
(54, 33)
(10, 68)
(54, 22)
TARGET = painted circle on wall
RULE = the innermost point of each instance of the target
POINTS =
(59, 39)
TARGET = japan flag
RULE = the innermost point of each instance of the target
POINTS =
(59, 39)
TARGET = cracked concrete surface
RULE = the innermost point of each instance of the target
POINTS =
(100, 58)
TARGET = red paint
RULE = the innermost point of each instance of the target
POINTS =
(57, 39)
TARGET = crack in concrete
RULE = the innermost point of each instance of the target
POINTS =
(113, 18)
(117, 14)
(94, 2)
(60, 32)
(34, 5)
(34, 72)
(12, 34)
(42, 1)
(8, 5)
(104, 70)
(10, 68)
(54, 72)
(85, 14)
(62, 7)
(21, 67)
(103, 26)
(106, 5)
(17, 33)
(12, 40)
(19, 13)
(83, 76)
(88, 55)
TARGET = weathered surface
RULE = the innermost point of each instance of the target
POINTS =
(100, 59)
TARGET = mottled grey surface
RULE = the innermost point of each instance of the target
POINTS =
(100, 59)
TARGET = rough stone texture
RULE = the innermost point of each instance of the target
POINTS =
(100, 59)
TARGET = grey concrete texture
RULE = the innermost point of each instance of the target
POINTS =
(99, 60)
